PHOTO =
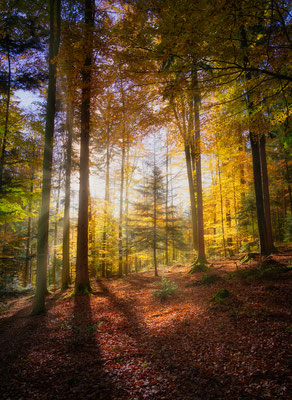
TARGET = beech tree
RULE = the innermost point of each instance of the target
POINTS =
(82, 284)
(43, 228)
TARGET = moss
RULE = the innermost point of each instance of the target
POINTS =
(82, 289)
(209, 279)
(268, 270)
(198, 268)
(220, 295)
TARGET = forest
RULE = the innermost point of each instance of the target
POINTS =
(145, 199)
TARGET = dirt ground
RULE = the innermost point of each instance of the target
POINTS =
(122, 342)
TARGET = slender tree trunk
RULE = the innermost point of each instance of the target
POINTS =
(127, 213)
(54, 269)
(289, 186)
(43, 227)
(172, 214)
(221, 205)
(28, 234)
(105, 214)
(121, 212)
(192, 196)
(201, 242)
(155, 225)
(66, 223)
(235, 214)
(82, 284)
(266, 194)
(166, 207)
(7, 109)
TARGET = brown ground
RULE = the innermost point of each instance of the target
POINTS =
(124, 343)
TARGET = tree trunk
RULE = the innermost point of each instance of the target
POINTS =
(289, 186)
(121, 212)
(3, 149)
(201, 242)
(264, 248)
(66, 223)
(82, 284)
(54, 268)
(127, 213)
(105, 214)
(192, 196)
(155, 225)
(166, 207)
(221, 205)
(266, 194)
(43, 227)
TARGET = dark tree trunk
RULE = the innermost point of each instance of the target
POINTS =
(43, 227)
(82, 284)
(66, 223)
(26, 279)
(3, 149)
(266, 194)
(264, 248)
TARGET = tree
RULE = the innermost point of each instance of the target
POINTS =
(149, 230)
(43, 227)
(82, 284)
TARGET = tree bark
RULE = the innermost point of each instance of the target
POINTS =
(201, 242)
(43, 226)
(192, 196)
(82, 284)
(66, 223)
(106, 206)
(264, 248)
(27, 251)
(221, 207)
(166, 207)
(54, 268)
(121, 211)
(266, 194)
(3, 149)
(127, 213)
(155, 223)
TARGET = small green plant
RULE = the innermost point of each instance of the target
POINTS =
(209, 279)
(166, 289)
(220, 295)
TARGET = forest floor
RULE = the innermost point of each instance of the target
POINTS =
(122, 342)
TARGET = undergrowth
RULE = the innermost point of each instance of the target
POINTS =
(166, 289)
(272, 272)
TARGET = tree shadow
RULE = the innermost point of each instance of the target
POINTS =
(51, 359)
(83, 368)
(16, 343)
(175, 375)
(143, 282)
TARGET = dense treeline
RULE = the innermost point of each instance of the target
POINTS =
(141, 101)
